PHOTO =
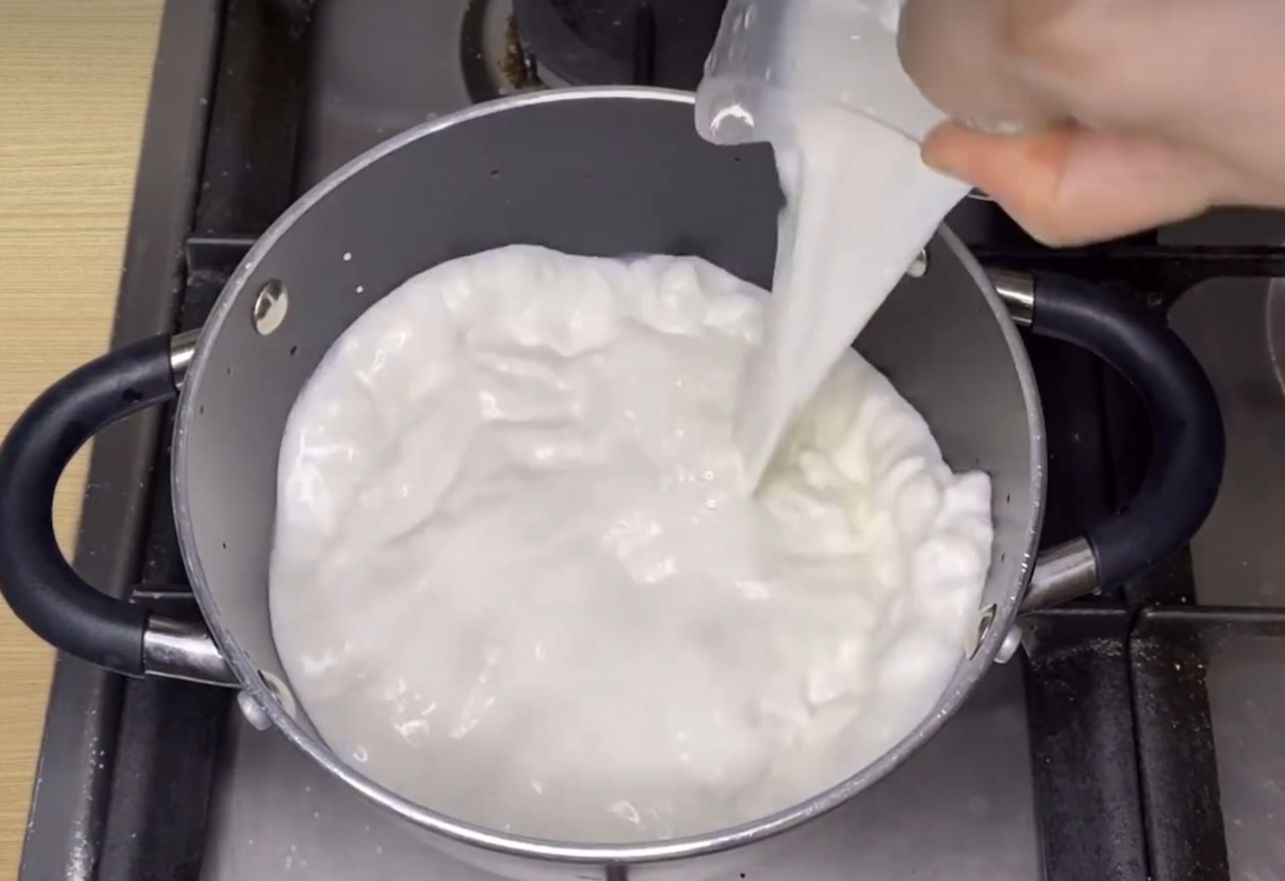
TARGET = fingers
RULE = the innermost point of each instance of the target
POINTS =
(957, 53)
(1067, 185)
(1103, 62)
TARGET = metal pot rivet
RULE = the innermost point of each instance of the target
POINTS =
(253, 713)
(270, 306)
(984, 623)
(919, 266)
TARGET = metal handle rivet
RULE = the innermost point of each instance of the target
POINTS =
(1008, 648)
(253, 713)
(919, 266)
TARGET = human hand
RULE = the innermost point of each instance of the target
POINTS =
(1138, 112)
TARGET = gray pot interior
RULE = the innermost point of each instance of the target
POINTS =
(585, 173)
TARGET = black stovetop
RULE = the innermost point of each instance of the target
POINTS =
(1114, 762)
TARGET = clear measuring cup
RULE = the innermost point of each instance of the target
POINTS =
(849, 60)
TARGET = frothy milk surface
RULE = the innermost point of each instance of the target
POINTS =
(518, 579)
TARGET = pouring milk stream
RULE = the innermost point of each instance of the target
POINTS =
(822, 82)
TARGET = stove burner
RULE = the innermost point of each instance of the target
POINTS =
(618, 42)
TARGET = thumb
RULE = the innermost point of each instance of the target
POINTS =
(1070, 185)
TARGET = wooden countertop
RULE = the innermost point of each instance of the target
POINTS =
(74, 80)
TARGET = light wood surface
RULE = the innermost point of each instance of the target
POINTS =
(74, 79)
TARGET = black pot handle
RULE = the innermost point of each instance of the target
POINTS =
(36, 580)
(1189, 443)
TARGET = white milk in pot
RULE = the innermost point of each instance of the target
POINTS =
(520, 576)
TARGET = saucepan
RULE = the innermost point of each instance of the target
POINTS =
(601, 171)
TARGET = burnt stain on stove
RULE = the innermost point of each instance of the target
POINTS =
(515, 66)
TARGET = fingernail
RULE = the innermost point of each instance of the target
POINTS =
(944, 148)
(938, 159)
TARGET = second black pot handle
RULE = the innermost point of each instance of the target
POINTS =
(35, 578)
(1189, 445)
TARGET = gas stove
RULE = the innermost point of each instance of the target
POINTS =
(1139, 737)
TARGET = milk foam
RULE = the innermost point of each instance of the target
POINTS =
(517, 578)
